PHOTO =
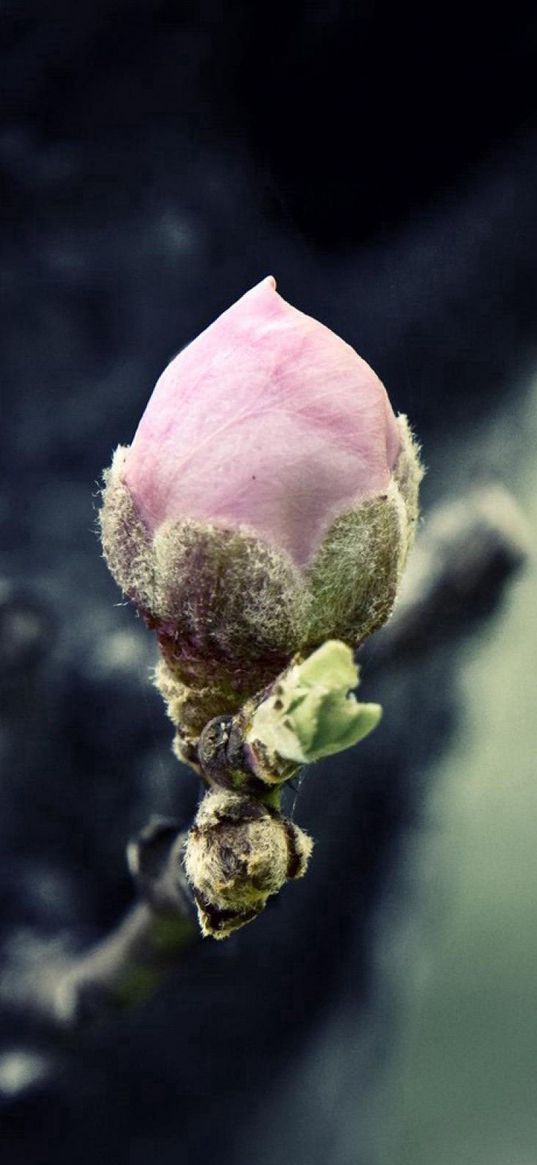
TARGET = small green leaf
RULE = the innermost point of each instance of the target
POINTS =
(313, 712)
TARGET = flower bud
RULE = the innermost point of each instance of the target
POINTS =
(266, 504)
(238, 853)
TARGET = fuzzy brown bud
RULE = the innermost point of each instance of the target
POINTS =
(238, 853)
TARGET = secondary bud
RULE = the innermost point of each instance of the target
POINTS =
(238, 853)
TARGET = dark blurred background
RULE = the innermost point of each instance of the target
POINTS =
(157, 159)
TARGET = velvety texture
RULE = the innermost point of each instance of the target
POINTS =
(268, 420)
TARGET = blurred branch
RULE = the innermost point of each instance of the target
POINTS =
(130, 963)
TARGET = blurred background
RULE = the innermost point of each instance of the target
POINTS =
(157, 159)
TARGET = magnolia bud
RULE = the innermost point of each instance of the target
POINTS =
(267, 504)
(238, 853)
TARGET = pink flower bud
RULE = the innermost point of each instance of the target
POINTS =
(267, 504)
(267, 420)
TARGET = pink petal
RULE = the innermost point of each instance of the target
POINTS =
(267, 419)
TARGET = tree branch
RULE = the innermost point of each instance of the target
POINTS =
(130, 963)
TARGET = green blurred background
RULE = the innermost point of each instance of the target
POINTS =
(462, 1086)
